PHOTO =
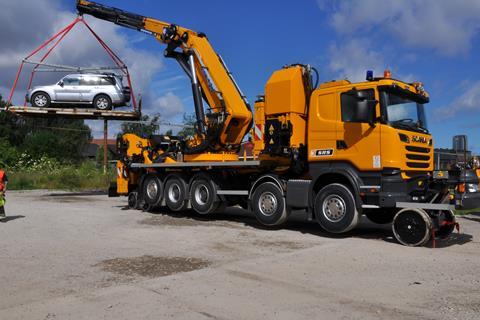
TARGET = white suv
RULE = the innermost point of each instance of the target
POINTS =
(103, 91)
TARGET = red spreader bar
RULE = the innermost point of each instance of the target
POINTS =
(56, 39)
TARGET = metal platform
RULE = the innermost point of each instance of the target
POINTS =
(73, 113)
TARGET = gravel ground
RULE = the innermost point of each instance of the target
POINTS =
(83, 256)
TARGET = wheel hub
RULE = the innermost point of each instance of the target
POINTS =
(268, 203)
(102, 103)
(202, 195)
(410, 227)
(41, 100)
(334, 208)
(174, 193)
(152, 190)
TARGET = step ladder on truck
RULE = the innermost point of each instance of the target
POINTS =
(338, 149)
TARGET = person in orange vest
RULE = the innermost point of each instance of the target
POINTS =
(3, 190)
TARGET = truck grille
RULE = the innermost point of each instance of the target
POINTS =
(418, 157)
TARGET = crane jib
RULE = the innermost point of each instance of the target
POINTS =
(111, 14)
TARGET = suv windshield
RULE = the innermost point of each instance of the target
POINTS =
(404, 111)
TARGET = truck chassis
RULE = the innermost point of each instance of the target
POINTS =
(209, 187)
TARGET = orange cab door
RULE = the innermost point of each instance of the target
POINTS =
(357, 143)
(322, 126)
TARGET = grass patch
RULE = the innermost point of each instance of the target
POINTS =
(85, 176)
(466, 212)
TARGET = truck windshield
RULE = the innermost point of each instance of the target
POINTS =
(403, 112)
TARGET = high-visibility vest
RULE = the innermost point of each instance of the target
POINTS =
(2, 180)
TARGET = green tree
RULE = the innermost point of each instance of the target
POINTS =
(99, 156)
(189, 121)
(12, 127)
(63, 139)
(144, 128)
(8, 153)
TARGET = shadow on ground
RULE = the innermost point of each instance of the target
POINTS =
(11, 218)
(236, 217)
(77, 194)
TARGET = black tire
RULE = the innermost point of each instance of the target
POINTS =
(335, 209)
(269, 206)
(152, 190)
(133, 200)
(203, 194)
(41, 100)
(176, 193)
(412, 227)
(381, 216)
(102, 102)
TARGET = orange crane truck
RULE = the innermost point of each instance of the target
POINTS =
(338, 149)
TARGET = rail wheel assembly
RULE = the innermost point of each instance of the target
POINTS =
(412, 227)
(447, 224)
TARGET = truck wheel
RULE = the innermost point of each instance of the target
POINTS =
(381, 216)
(176, 194)
(133, 200)
(40, 100)
(335, 209)
(268, 203)
(412, 227)
(203, 195)
(152, 190)
(448, 226)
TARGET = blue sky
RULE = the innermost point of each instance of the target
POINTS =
(432, 41)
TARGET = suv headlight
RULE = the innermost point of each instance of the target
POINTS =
(472, 188)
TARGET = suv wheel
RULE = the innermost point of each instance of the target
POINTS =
(41, 100)
(102, 102)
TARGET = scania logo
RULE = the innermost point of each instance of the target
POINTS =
(419, 139)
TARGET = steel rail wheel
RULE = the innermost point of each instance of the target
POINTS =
(412, 227)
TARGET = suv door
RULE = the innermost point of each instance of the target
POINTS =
(69, 92)
(90, 86)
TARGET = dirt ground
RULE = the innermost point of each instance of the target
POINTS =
(83, 256)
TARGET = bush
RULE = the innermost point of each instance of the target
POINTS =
(8, 154)
(49, 174)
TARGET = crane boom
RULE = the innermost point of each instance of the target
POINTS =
(230, 116)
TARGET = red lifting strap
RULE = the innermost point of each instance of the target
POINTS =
(59, 36)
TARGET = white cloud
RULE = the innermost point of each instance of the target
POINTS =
(468, 101)
(168, 105)
(448, 27)
(351, 60)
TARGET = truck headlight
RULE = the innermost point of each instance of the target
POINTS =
(472, 188)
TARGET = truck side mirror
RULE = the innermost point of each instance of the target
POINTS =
(364, 109)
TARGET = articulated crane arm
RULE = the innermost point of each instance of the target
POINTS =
(230, 116)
